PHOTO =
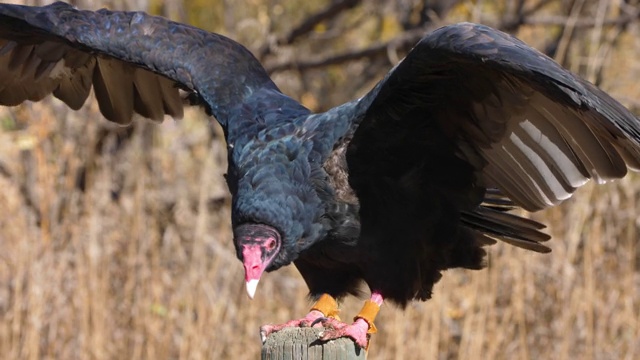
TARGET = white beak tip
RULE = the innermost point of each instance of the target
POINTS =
(252, 285)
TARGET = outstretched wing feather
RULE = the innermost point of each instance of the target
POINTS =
(530, 128)
(135, 62)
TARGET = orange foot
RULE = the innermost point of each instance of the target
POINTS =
(325, 308)
(325, 312)
(361, 329)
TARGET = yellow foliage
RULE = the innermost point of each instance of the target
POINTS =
(390, 27)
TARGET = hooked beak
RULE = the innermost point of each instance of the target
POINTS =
(252, 285)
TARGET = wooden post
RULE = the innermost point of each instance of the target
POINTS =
(302, 343)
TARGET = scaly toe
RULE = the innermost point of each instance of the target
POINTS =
(307, 321)
(335, 329)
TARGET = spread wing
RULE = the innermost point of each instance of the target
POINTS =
(531, 128)
(470, 109)
(134, 62)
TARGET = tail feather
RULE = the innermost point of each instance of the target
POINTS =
(490, 223)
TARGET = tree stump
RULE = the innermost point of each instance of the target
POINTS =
(302, 343)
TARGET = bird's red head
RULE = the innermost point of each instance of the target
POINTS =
(257, 245)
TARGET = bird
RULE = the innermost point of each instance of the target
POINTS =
(387, 191)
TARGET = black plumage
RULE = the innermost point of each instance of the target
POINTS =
(391, 189)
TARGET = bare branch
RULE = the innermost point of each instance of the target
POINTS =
(309, 24)
(410, 37)
(581, 23)
(512, 23)
(406, 39)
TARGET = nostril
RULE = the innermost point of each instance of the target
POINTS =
(252, 261)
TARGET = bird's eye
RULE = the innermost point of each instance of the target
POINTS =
(270, 245)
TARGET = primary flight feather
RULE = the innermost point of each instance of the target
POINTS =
(414, 178)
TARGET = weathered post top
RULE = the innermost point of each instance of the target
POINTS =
(302, 343)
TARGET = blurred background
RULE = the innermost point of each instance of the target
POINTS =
(115, 243)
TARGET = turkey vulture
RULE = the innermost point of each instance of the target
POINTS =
(391, 189)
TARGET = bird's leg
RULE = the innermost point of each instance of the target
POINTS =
(325, 307)
(361, 329)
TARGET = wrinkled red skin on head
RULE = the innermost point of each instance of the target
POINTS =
(258, 245)
(257, 254)
(252, 261)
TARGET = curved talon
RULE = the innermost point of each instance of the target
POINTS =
(325, 310)
(319, 320)
(307, 321)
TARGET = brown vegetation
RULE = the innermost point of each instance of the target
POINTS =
(116, 244)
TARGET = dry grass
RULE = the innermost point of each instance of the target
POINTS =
(153, 275)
